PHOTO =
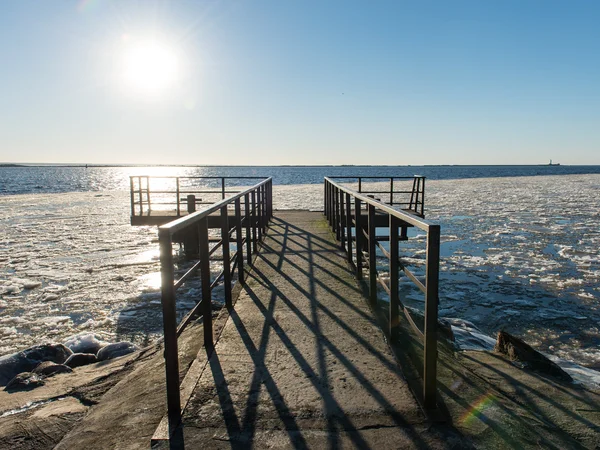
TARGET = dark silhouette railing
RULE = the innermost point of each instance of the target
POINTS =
(415, 186)
(348, 210)
(179, 194)
(252, 210)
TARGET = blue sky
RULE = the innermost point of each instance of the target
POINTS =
(304, 82)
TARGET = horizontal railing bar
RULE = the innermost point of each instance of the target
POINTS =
(383, 285)
(198, 178)
(338, 177)
(414, 279)
(188, 317)
(383, 250)
(406, 217)
(187, 275)
(190, 219)
(412, 323)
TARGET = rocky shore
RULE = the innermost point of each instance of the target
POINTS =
(494, 398)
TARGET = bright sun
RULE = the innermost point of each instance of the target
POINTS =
(150, 67)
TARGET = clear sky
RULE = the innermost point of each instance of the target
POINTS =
(300, 82)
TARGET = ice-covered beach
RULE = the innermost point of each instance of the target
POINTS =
(519, 254)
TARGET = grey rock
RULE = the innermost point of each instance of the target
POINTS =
(28, 359)
(115, 350)
(24, 381)
(48, 369)
(80, 359)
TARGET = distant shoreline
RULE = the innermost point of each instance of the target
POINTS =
(91, 166)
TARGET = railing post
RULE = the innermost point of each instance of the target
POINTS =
(247, 218)
(372, 256)
(349, 227)
(423, 196)
(392, 191)
(394, 277)
(140, 196)
(358, 232)
(238, 240)
(226, 256)
(191, 203)
(223, 187)
(205, 279)
(253, 222)
(178, 200)
(342, 215)
(325, 197)
(336, 219)
(259, 214)
(431, 316)
(132, 195)
(170, 329)
(148, 193)
(270, 199)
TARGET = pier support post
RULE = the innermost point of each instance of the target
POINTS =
(431, 316)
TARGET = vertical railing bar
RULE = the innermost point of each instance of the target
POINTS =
(140, 195)
(431, 317)
(178, 199)
(132, 195)
(392, 191)
(342, 215)
(238, 240)
(148, 193)
(226, 255)
(359, 184)
(170, 329)
(247, 217)
(349, 227)
(205, 280)
(358, 230)
(253, 222)
(412, 194)
(394, 278)
(372, 256)
(422, 196)
(259, 214)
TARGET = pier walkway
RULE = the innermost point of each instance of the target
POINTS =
(300, 361)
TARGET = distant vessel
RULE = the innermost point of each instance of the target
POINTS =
(555, 164)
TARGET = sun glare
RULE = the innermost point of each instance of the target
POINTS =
(150, 67)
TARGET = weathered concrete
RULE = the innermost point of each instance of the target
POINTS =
(302, 362)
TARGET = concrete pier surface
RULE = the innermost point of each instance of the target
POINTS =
(302, 362)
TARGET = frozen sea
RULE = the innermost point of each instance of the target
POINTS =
(519, 253)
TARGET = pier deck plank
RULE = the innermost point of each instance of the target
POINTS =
(301, 361)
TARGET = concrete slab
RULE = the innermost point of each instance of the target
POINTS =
(302, 362)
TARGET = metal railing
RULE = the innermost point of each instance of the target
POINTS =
(415, 186)
(245, 228)
(344, 211)
(163, 192)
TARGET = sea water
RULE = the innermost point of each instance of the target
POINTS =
(519, 253)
